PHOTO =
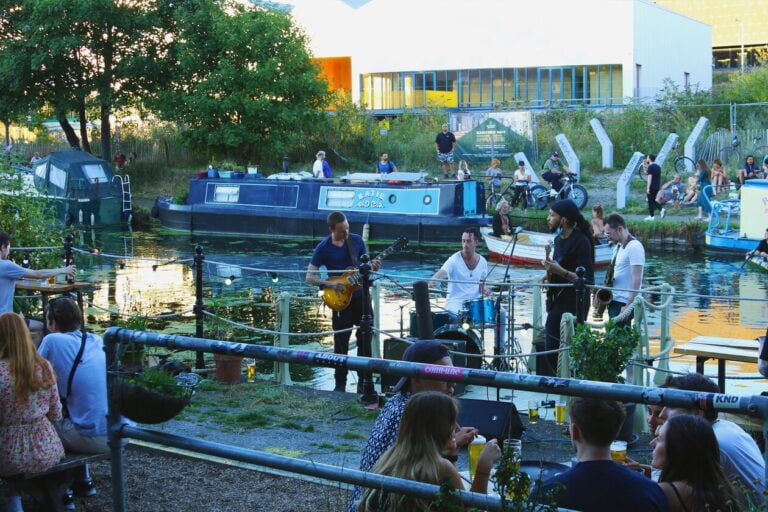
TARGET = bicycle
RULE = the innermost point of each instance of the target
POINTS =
(759, 152)
(570, 189)
(508, 193)
(681, 163)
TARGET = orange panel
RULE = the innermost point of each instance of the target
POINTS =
(338, 72)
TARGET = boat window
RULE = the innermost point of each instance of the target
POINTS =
(340, 198)
(95, 173)
(58, 177)
(40, 170)
(226, 193)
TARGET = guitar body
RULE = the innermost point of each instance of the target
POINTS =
(338, 300)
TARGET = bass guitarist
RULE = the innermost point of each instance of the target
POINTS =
(574, 247)
(339, 251)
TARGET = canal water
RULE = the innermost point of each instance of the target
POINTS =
(149, 273)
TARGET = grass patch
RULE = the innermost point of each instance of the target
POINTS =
(285, 452)
(352, 435)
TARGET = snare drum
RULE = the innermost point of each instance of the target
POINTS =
(478, 312)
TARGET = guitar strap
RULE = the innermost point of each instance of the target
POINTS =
(351, 248)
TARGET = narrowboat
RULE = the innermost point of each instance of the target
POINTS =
(529, 248)
(752, 209)
(83, 189)
(384, 207)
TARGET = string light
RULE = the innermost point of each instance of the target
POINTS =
(274, 276)
(95, 251)
(228, 281)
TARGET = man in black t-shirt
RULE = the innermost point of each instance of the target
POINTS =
(445, 143)
(762, 248)
(653, 184)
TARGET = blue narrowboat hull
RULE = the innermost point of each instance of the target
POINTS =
(435, 212)
(730, 242)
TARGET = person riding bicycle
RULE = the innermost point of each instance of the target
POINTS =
(522, 180)
(494, 174)
(554, 170)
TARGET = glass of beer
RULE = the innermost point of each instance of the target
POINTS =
(475, 448)
(533, 411)
(250, 370)
(51, 280)
(515, 447)
(560, 412)
(619, 451)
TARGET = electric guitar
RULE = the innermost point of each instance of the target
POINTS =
(552, 293)
(338, 300)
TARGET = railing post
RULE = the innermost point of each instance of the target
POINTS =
(537, 321)
(664, 336)
(282, 373)
(580, 287)
(68, 240)
(199, 306)
(376, 337)
(114, 439)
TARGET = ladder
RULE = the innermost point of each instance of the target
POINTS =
(125, 187)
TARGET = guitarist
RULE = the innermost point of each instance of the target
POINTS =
(574, 247)
(337, 252)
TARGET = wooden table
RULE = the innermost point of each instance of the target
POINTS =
(722, 349)
(45, 290)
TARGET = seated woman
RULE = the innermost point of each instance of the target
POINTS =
(597, 221)
(719, 175)
(463, 173)
(426, 431)
(29, 406)
(502, 223)
(522, 181)
(691, 191)
(687, 453)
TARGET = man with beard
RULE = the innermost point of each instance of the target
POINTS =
(573, 248)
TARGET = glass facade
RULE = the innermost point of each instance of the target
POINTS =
(599, 84)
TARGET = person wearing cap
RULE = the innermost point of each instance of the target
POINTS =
(522, 181)
(385, 429)
(554, 170)
(573, 248)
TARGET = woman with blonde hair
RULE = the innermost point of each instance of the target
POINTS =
(463, 173)
(719, 175)
(29, 405)
(426, 431)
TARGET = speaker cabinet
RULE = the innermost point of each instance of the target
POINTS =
(393, 349)
(494, 420)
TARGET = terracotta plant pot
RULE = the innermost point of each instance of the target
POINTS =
(229, 369)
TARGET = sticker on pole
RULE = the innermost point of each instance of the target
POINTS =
(725, 401)
(444, 372)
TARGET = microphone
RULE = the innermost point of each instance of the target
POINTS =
(518, 230)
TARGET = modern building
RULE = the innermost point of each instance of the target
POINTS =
(392, 55)
(739, 30)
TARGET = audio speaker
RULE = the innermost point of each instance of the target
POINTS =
(393, 349)
(494, 420)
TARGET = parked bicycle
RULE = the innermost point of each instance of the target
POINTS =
(570, 189)
(733, 154)
(496, 194)
(680, 163)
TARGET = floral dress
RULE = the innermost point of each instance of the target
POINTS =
(28, 441)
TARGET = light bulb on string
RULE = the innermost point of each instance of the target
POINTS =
(274, 276)
(228, 281)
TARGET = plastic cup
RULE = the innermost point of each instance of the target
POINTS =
(51, 280)
(619, 451)
(560, 413)
(475, 448)
(250, 370)
(533, 411)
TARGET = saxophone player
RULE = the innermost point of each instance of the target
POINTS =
(627, 267)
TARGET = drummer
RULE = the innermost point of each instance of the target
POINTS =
(466, 272)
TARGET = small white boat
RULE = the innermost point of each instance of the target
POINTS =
(530, 247)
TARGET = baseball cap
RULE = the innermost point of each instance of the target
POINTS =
(555, 153)
(425, 351)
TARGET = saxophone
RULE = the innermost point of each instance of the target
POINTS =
(604, 296)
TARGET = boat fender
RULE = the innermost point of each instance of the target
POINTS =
(93, 219)
(155, 212)
(80, 216)
(68, 219)
(366, 231)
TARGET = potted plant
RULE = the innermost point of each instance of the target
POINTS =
(229, 368)
(603, 356)
(153, 396)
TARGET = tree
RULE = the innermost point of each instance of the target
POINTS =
(244, 82)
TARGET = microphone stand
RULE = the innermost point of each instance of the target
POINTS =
(497, 349)
(365, 333)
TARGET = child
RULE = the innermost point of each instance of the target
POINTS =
(463, 173)
(597, 221)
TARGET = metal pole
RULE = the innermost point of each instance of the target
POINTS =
(364, 333)
(114, 438)
(68, 240)
(580, 286)
(376, 337)
(282, 373)
(199, 307)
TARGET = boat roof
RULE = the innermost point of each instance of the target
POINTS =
(410, 177)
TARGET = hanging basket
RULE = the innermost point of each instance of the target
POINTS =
(144, 406)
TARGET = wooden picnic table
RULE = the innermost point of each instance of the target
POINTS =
(46, 289)
(722, 349)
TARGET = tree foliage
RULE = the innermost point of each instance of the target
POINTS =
(244, 84)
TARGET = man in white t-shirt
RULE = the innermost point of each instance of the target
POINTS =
(739, 453)
(317, 167)
(466, 272)
(629, 261)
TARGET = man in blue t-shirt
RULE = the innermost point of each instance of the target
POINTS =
(384, 165)
(337, 253)
(596, 483)
(10, 272)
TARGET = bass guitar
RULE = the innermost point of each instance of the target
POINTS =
(339, 299)
(552, 293)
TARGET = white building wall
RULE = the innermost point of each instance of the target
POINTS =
(667, 45)
(421, 35)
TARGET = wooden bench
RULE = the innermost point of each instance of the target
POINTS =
(722, 349)
(48, 486)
